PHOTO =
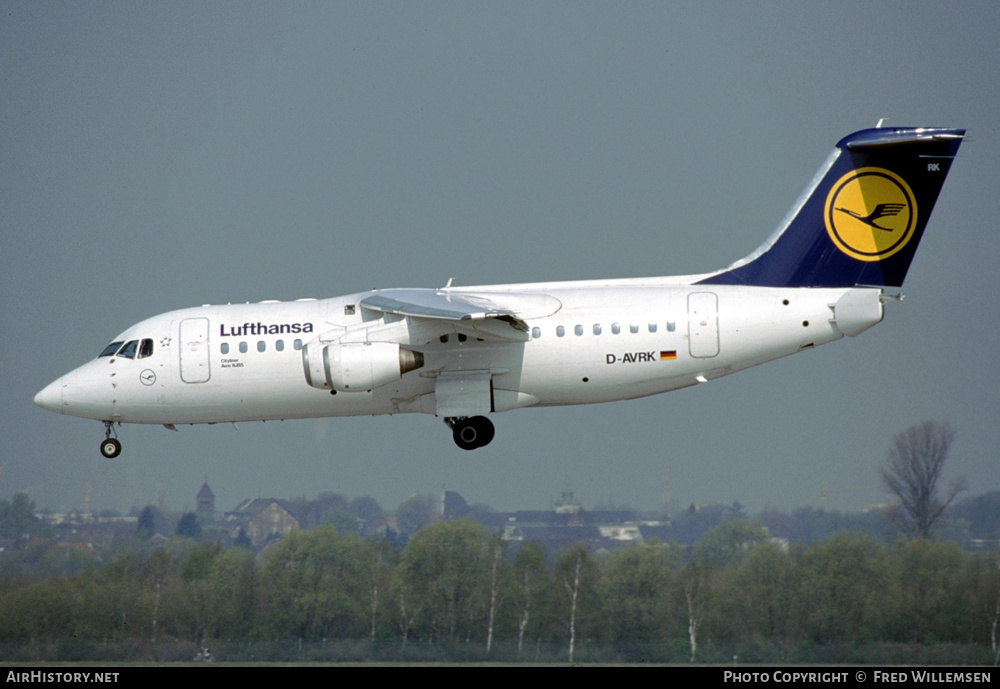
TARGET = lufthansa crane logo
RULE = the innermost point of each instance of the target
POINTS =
(870, 214)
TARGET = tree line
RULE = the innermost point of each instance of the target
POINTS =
(458, 590)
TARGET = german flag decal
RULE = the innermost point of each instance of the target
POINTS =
(668, 355)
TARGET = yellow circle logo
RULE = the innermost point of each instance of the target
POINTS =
(870, 214)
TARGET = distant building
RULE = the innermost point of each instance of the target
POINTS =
(453, 505)
(262, 519)
(385, 526)
(567, 505)
(567, 523)
(205, 500)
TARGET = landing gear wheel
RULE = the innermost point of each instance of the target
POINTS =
(486, 431)
(111, 448)
(473, 432)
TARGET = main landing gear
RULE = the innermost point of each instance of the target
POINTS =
(110, 447)
(471, 432)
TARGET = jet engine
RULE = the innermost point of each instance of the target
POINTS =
(357, 366)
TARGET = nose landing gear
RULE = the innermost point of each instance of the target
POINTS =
(471, 432)
(110, 447)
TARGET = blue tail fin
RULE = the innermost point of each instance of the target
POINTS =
(861, 218)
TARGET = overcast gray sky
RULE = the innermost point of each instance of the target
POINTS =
(160, 155)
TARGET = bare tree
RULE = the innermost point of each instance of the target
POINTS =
(576, 571)
(497, 546)
(912, 472)
(695, 580)
(574, 592)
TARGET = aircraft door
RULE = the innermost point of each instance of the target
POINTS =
(703, 324)
(194, 350)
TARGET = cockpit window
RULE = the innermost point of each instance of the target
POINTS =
(110, 349)
(146, 348)
(128, 351)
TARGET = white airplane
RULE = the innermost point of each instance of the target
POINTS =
(461, 353)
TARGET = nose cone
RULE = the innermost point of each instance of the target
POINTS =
(51, 397)
(88, 392)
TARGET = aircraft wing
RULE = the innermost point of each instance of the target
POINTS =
(473, 314)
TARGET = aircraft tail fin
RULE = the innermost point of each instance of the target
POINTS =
(862, 216)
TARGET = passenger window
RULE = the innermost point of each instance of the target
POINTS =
(298, 345)
(597, 328)
(578, 330)
(225, 348)
(280, 345)
(536, 332)
(128, 351)
(616, 328)
(110, 349)
(146, 348)
(243, 347)
(634, 328)
(261, 346)
(652, 327)
(560, 331)
(671, 326)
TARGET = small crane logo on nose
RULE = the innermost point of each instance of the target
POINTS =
(147, 377)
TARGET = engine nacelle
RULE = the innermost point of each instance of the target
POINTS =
(357, 366)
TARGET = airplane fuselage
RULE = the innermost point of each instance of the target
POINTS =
(587, 343)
